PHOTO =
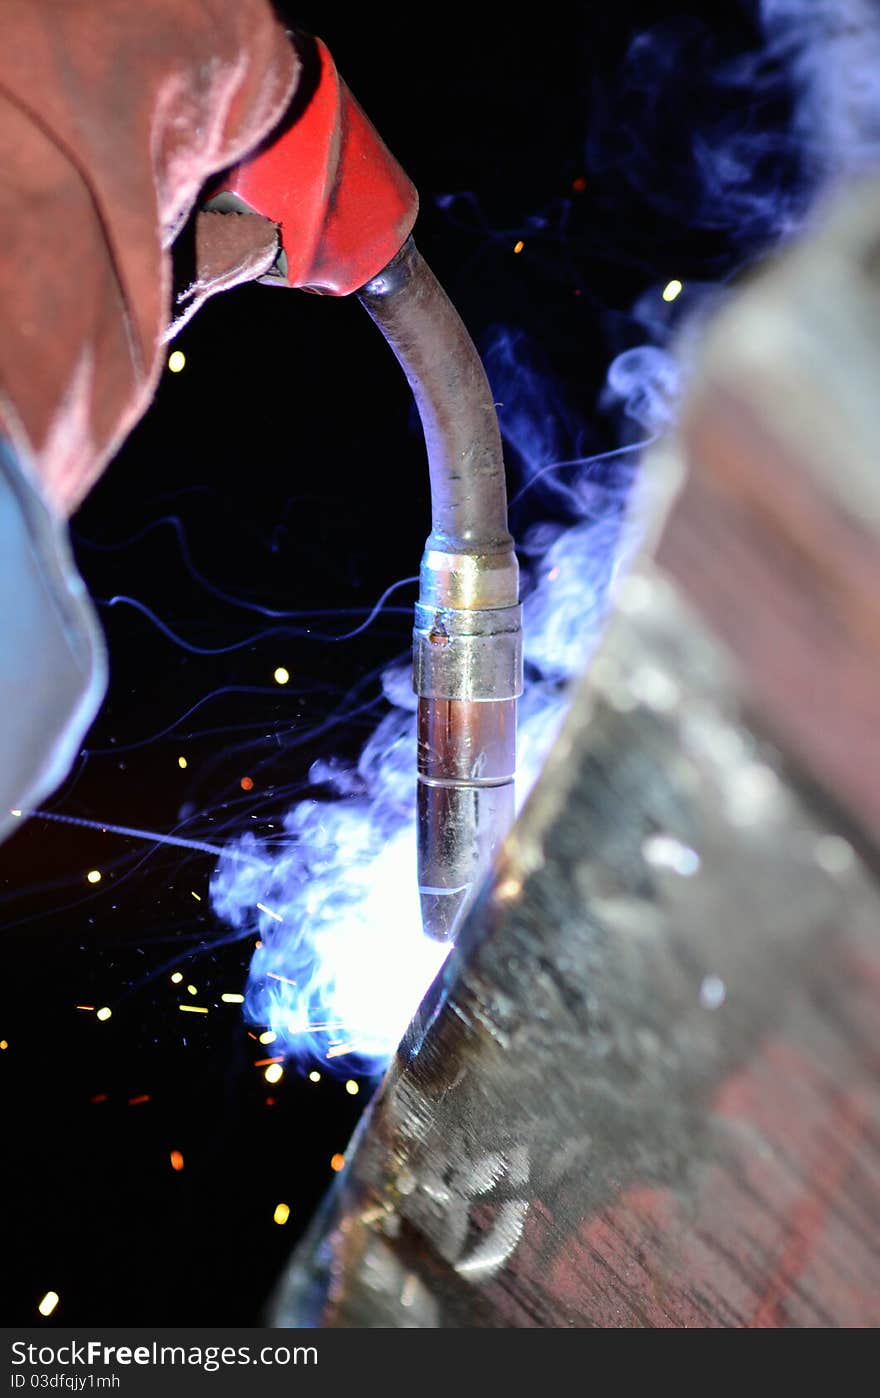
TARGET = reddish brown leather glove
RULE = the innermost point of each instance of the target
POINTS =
(112, 116)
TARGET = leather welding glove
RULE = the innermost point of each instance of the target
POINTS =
(112, 117)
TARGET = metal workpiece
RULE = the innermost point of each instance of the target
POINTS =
(643, 1090)
(443, 368)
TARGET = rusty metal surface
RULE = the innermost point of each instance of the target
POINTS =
(776, 535)
(645, 1091)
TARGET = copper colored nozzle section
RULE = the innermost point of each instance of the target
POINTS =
(467, 742)
(466, 764)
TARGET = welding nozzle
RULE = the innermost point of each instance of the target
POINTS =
(467, 654)
(467, 673)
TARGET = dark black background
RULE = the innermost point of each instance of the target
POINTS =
(285, 454)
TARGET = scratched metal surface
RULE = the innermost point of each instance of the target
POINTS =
(645, 1092)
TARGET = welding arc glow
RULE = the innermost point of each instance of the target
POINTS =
(333, 951)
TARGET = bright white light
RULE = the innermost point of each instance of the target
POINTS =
(834, 854)
(348, 962)
(665, 852)
(672, 289)
(713, 992)
(176, 361)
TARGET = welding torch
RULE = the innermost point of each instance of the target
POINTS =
(345, 210)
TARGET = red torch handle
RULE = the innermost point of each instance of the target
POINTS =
(343, 204)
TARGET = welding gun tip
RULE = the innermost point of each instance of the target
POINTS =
(441, 911)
